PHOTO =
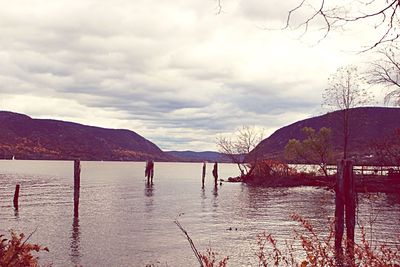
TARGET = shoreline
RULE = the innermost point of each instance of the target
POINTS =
(364, 184)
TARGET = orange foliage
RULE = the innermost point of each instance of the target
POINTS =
(17, 252)
(320, 251)
(209, 259)
(270, 167)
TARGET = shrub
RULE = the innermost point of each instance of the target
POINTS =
(269, 167)
(209, 259)
(17, 252)
(313, 250)
(320, 251)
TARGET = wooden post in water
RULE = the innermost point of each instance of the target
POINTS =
(77, 185)
(203, 174)
(345, 202)
(215, 174)
(339, 212)
(350, 205)
(16, 196)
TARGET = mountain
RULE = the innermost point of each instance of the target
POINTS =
(366, 125)
(191, 156)
(27, 138)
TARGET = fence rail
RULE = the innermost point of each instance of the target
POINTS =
(383, 170)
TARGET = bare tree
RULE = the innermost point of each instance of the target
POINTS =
(344, 93)
(238, 146)
(386, 72)
(381, 16)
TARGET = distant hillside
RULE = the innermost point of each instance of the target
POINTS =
(191, 156)
(27, 138)
(367, 124)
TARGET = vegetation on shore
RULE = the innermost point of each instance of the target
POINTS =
(18, 252)
(309, 248)
(316, 147)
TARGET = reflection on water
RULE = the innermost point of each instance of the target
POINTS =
(203, 194)
(75, 242)
(215, 197)
(149, 190)
(16, 214)
(149, 193)
(125, 222)
(215, 191)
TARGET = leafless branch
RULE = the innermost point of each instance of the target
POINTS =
(219, 6)
(386, 72)
(338, 16)
(290, 14)
(240, 145)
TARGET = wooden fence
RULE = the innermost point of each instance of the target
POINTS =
(373, 170)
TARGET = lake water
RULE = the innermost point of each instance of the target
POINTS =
(123, 222)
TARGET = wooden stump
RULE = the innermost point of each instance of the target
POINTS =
(77, 185)
(16, 196)
(350, 209)
(345, 204)
(339, 212)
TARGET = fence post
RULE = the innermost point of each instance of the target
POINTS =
(350, 204)
(339, 212)
(16, 196)
(345, 201)
(77, 185)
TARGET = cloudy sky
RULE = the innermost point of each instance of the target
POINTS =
(176, 72)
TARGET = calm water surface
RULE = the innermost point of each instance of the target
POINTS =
(123, 222)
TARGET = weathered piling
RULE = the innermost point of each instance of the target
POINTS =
(215, 173)
(339, 212)
(16, 196)
(203, 175)
(350, 205)
(149, 171)
(77, 185)
(345, 207)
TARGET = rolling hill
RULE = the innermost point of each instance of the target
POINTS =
(366, 125)
(27, 138)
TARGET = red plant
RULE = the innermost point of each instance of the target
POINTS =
(270, 167)
(17, 252)
(320, 251)
(209, 259)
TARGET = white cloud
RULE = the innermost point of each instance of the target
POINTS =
(175, 72)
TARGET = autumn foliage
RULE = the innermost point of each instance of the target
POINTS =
(17, 252)
(209, 259)
(318, 250)
(311, 249)
(272, 168)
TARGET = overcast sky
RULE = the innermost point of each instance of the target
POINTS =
(175, 72)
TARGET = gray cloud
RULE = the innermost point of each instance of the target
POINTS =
(174, 72)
